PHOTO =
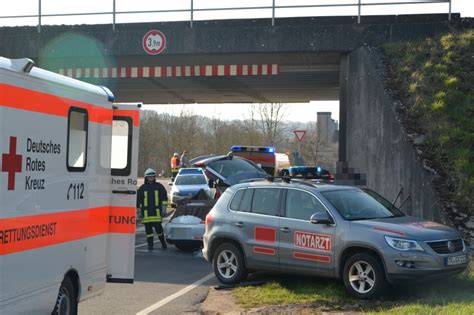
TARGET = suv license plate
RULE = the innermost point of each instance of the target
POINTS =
(456, 260)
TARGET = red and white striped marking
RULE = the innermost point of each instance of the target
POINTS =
(312, 257)
(173, 71)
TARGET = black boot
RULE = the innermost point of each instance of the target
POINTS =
(163, 242)
(150, 243)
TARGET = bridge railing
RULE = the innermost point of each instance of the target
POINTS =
(190, 10)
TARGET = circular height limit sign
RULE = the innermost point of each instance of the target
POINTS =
(154, 42)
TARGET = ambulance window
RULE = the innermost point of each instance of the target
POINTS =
(301, 205)
(77, 140)
(121, 152)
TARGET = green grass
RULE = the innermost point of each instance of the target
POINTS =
(449, 296)
(434, 78)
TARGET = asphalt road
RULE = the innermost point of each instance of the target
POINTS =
(158, 275)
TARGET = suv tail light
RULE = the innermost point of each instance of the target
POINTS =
(208, 218)
(331, 177)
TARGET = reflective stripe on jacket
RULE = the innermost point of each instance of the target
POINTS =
(151, 199)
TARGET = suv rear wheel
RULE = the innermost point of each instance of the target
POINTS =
(364, 276)
(229, 265)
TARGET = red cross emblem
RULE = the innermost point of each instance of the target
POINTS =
(11, 163)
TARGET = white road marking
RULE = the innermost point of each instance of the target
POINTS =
(146, 244)
(170, 298)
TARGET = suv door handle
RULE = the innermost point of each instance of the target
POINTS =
(239, 224)
(285, 229)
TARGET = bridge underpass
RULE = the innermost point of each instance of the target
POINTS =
(245, 78)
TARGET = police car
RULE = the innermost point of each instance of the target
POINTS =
(333, 231)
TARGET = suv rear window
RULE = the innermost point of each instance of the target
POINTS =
(265, 201)
(242, 200)
(234, 205)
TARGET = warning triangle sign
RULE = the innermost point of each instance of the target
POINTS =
(300, 134)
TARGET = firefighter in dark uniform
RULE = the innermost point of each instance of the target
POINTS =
(152, 200)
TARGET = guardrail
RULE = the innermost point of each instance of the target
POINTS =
(273, 9)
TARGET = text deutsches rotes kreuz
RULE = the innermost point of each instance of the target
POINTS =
(35, 162)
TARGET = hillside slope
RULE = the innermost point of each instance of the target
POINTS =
(433, 79)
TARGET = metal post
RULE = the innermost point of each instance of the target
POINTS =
(449, 14)
(192, 14)
(273, 13)
(39, 16)
(113, 16)
(358, 13)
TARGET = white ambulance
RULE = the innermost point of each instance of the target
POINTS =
(68, 165)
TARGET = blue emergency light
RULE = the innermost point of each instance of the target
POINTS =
(238, 148)
(318, 169)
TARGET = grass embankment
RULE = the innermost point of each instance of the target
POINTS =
(451, 296)
(434, 78)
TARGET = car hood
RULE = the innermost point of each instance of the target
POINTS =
(189, 189)
(408, 227)
(237, 178)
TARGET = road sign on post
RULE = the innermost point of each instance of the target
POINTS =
(154, 42)
(300, 134)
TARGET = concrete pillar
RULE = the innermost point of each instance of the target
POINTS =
(343, 86)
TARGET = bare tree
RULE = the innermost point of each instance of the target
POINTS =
(270, 121)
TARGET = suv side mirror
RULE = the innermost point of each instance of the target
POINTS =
(321, 218)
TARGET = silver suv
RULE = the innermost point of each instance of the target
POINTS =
(325, 230)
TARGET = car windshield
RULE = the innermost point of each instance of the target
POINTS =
(227, 168)
(361, 204)
(191, 180)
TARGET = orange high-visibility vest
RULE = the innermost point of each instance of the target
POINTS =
(174, 162)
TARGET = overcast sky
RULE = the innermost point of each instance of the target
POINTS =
(297, 112)
(301, 112)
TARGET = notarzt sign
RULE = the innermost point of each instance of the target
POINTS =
(314, 241)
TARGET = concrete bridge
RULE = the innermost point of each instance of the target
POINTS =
(297, 60)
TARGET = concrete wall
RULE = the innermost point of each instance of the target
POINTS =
(377, 144)
(302, 34)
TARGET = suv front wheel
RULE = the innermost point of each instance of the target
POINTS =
(229, 265)
(364, 276)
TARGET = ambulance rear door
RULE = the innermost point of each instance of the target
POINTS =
(122, 219)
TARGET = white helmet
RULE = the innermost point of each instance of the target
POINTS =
(150, 172)
(176, 154)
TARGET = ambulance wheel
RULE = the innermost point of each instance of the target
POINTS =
(364, 276)
(66, 303)
(228, 263)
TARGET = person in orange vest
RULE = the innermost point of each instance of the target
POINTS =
(175, 164)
